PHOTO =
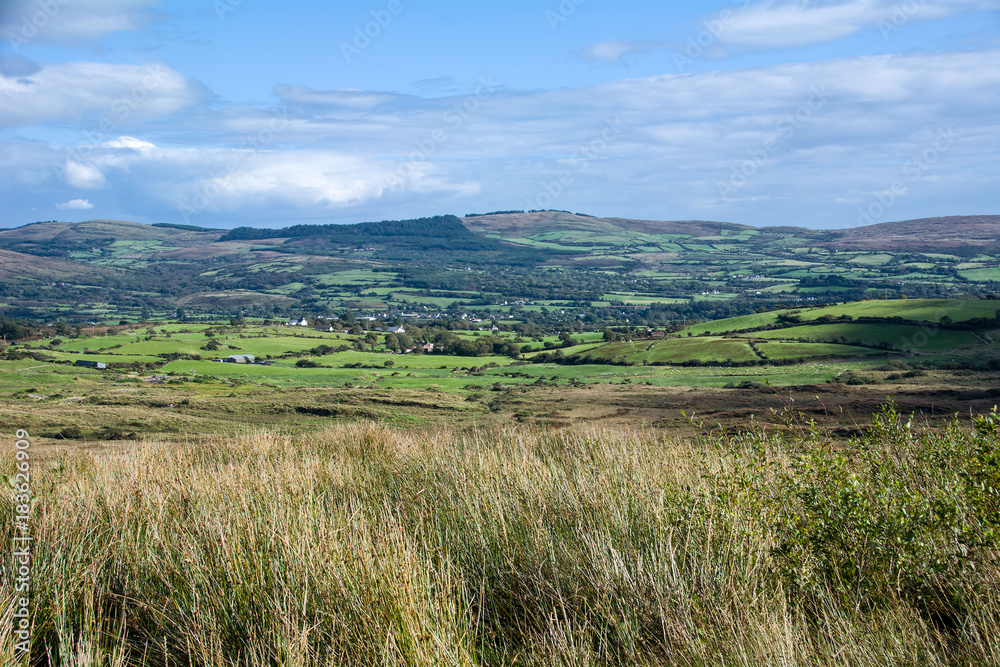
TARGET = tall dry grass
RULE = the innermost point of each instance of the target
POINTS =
(364, 545)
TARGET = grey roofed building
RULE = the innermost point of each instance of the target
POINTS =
(241, 359)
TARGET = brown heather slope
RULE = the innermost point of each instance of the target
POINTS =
(515, 225)
(925, 234)
(19, 266)
(89, 231)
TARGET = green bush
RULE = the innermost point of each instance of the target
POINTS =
(898, 513)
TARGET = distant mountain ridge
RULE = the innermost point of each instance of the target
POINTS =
(599, 268)
(918, 234)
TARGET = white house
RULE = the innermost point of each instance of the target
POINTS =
(298, 323)
(399, 329)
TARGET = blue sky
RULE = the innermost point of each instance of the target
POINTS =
(820, 113)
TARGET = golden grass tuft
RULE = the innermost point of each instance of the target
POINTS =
(366, 545)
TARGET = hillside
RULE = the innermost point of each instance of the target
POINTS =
(900, 328)
(525, 225)
(549, 264)
(16, 266)
(54, 237)
(926, 234)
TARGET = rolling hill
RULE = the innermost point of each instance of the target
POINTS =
(568, 265)
(925, 234)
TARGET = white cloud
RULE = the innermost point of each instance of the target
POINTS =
(784, 23)
(680, 136)
(86, 176)
(614, 52)
(75, 205)
(346, 98)
(128, 142)
(787, 23)
(116, 94)
(70, 22)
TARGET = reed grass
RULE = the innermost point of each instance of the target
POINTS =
(366, 545)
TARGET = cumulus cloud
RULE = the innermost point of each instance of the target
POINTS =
(69, 92)
(75, 205)
(830, 130)
(82, 175)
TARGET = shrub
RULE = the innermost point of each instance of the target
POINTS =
(900, 513)
(70, 433)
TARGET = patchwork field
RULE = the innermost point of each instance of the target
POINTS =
(162, 377)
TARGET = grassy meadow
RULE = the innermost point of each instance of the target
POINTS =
(161, 379)
(365, 545)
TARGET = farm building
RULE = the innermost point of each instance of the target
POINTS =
(240, 359)
(91, 364)
(298, 323)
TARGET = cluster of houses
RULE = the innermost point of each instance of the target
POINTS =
(331, 328)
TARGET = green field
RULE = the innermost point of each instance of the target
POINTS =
(148, 389)
(784, 350)
(924, 310)
(984, 274)
(674, 351)
(895, 335)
